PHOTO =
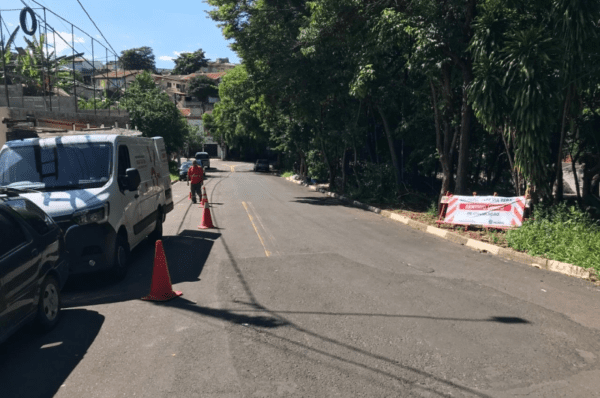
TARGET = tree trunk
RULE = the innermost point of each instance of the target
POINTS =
(465, 135)
(390, 140)
(559, 171)
(345, 162)
(442, 144)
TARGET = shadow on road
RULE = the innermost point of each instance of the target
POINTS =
(186, 255)
(226, 315)
(35, 365)
(321, 201)
(498, 319)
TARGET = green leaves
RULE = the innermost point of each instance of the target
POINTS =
(560, 233)
(153, 112)
(187, 63)
(140, 58)
(203, 87)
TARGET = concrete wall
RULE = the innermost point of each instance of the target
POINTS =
(63, 120)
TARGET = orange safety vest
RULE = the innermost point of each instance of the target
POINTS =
(196, 174)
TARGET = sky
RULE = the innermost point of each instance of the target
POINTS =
(168, 27)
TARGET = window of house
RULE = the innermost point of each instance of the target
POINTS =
(168, 84)
(178, 86)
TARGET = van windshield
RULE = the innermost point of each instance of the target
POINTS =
(62, 167)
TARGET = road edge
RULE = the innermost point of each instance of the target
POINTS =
(483, 247)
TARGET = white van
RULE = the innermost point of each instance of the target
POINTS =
(107, 192)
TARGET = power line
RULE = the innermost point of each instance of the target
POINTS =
(96, 27)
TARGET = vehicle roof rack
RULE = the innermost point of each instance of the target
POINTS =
(94, 131)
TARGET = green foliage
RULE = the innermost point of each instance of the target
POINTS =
(377, 184)
(173, 170)
(432, 210)
(203, 87)
(287, 174)
(153, 112)
(317, 168)
(141, 58)
(562, 233)
(187, 63)
(236, 119)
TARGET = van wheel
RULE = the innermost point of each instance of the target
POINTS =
(158, 230)
(121, 257)
(49, 304)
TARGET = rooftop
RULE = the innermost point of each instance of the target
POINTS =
(117, 74)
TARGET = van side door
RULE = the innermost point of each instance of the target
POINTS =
(129, 199)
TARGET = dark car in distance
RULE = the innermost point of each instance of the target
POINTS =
(183, 170)
(203, 159)
(33, 266)
(261, 165)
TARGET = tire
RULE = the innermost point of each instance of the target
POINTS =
(49, 305)
(121, 257)
(157, 234)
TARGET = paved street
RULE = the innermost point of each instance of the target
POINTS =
(297, 295)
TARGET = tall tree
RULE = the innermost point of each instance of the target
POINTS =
(203, 87)
(187, 63)
(141, 58)
(154, 114)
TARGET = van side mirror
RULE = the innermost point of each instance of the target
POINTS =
(132, 179)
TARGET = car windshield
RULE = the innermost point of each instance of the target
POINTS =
(202, 156)
(62, 167)
(186, 165)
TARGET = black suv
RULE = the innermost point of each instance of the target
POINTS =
(33, 267)
(261, 165)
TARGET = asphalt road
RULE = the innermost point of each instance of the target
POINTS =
(297, 295)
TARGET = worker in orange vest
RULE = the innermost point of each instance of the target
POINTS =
(195, 177)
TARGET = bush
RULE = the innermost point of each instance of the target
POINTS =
(377, 183)
(560, 233)
(317, 168)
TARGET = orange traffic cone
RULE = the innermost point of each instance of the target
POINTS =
(206, 218)
(161, 289)
(190, 196)
(204, 197)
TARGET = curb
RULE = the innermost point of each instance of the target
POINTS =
(482, 247)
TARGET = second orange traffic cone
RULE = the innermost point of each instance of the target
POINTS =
(204, 197)
(160, 288)
(206, 218)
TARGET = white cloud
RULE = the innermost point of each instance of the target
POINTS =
(166, 58)
(62, 47)
(9, 24)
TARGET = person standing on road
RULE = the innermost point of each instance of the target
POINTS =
(195, 177)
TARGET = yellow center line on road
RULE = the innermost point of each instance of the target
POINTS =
(268, 253)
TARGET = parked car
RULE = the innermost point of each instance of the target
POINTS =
(203, 159)
(261, 165)
(33, 264)
(107, 192)
(183, 170)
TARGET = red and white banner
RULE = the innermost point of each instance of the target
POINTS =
(488, 211)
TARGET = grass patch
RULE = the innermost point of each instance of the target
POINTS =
(560, 233)
(173, 171)
(287, 174)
